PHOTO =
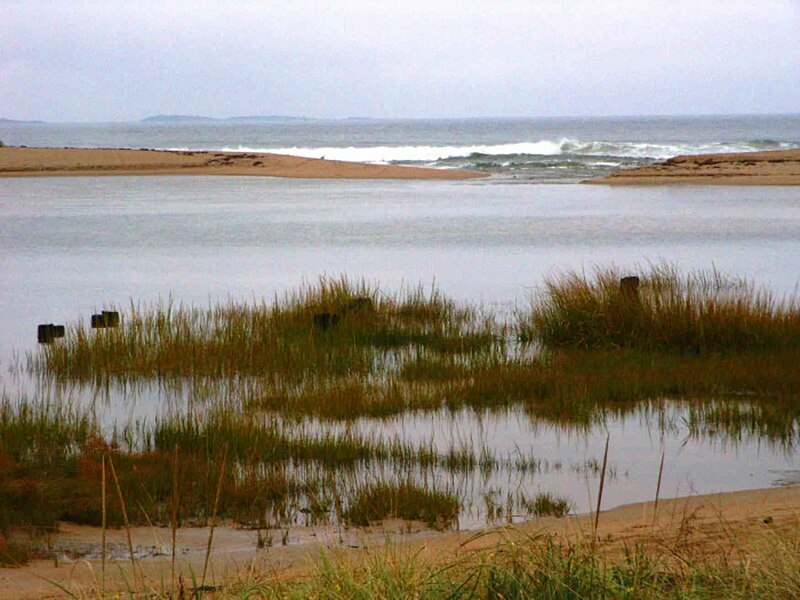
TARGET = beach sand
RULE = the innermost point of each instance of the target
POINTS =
(781, 167)
(37, 162)
(731, 524)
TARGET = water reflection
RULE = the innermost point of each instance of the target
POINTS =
(496, 461)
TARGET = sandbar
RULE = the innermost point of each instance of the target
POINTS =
(778, 167)
(60, 162)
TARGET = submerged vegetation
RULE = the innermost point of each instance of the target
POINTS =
(265, 395)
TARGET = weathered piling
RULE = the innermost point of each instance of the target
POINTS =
(45, 333)
(107, 318)
(326, 320)
(629, 287)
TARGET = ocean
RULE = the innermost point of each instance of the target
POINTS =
(554, 150)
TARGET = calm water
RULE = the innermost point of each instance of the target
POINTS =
(68, 246)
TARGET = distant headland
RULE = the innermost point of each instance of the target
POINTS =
(205, 119)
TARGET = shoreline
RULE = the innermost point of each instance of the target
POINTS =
(707, 523)
(773, 167)
(60, 162)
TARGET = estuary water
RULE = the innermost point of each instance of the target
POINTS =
(71, 246)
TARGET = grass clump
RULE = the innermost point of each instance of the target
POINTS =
(404, 500)
(699, 312)
(545, 504)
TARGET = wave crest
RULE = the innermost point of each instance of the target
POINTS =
(561, 147)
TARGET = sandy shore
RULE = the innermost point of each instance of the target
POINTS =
(730, 523)
(780, 167)
(37, 162)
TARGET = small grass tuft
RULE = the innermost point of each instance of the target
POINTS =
(405, 500)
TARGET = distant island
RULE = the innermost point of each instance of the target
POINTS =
(204, 119)
(18, 122)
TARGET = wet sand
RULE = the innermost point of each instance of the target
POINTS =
(781, 167)
(730, 523)
(39, 162)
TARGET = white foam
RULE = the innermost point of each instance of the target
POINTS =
(432, 154)
(387, 154)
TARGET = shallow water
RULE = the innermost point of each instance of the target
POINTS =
(70, 246)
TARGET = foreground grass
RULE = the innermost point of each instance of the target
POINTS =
(542, 568)
(519, 566)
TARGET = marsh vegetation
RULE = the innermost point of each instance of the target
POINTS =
(269, 393)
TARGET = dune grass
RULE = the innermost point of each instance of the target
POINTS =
(541, 567)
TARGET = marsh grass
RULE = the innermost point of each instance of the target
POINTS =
(704, 335)
(288, 340)
(695, 313)
(255, 375)
(545, 504)
(405, 500)
(38, 446)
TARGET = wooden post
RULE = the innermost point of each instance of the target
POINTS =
(629, 287)
(45, 333)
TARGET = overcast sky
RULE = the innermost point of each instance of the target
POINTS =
(108, 60)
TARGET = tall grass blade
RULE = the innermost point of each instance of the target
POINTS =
(220, 481)
(600, 491)
(124, 510)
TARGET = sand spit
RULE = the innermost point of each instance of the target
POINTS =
(780, 167)
(38, 162)
(710, 524)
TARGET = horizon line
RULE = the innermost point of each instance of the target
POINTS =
(189, 117)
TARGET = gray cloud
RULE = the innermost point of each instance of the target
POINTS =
(69, 60)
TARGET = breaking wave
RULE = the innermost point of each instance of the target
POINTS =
(564, 147)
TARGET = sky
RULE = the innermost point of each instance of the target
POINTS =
(115, 61)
